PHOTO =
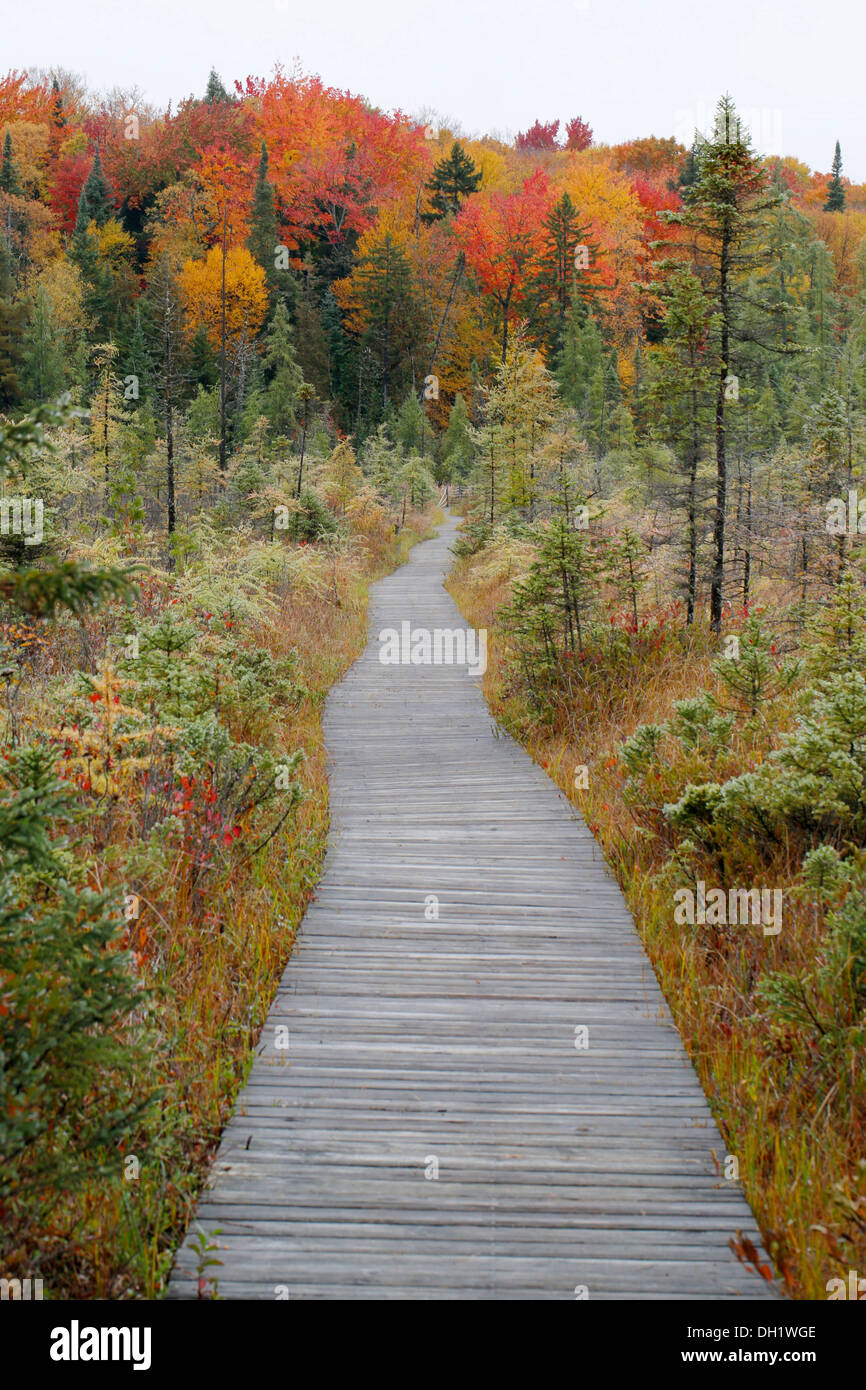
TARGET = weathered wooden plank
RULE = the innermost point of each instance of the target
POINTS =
(400, 1034)
(411, 1219)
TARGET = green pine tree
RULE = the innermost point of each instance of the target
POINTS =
(837, 630)
(417, 482)
(342, 371)
(725, 216)
(95, 203)
(264, 236)
(579, 358)
(136, 356)
(9, 181)
(382, 463)
(386, 280)
(285, 378)
(549, 615)
(457, 449)
(408, 425)
(215, 92)
(13, 316)
(753, 673)
(58, 115)
(42, 359)
(627, 569)
(74, 1012)
(305, 305)
(680, 397)
(835, 187)
(689, 171)
(168, 366)
(203, 363)
(559, 280)
(452, 181)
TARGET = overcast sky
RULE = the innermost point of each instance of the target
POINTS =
(795, 68)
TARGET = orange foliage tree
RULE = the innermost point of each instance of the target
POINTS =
(333, 160)
(501, 236)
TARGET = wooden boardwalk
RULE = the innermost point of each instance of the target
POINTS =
(455, 1045)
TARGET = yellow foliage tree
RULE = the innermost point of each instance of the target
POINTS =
(30, 153)
(606, 201)
(339, 478)
(843, 233)
(246, 299)
(493, 164)
(62, 283)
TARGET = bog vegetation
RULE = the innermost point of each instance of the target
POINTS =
(242, 346)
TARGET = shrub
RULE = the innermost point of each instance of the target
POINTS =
(73, 1016)
(471, 539)
(821, 1011)
(312, 520)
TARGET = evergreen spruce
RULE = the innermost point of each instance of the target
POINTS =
(95, 201)
(285, 377)
(559, 281)
(457, 449)
(215, 92)
(835, 187)
(42, 359)
(13, 316)
(342, 370)
(452, 181)
(8, 172)
(680, 395)
(203, 364)
(725, 214)
(388, 290)
(755, 674)
(408, 425)
(263, 236)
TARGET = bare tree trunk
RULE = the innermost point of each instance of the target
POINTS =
(747, 557)
(105, 405)
(169, 409)
(717, 583)
(303, 447)
(692, 587)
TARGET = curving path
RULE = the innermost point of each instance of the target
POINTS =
(420, 1046)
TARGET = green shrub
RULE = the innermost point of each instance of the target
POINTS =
(312, 521)
(821, 1011)
(72, 1012)
(471, 539)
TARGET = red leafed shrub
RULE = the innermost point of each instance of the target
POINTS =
(578, 134)
(539, 136)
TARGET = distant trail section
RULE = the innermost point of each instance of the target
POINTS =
(469, 1085)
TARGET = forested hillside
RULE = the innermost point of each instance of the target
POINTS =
(245, 346)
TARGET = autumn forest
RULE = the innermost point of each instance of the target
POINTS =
(252, 348)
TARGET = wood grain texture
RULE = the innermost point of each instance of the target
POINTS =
(413, 1039)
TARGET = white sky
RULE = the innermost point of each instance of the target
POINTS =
(794, 67)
